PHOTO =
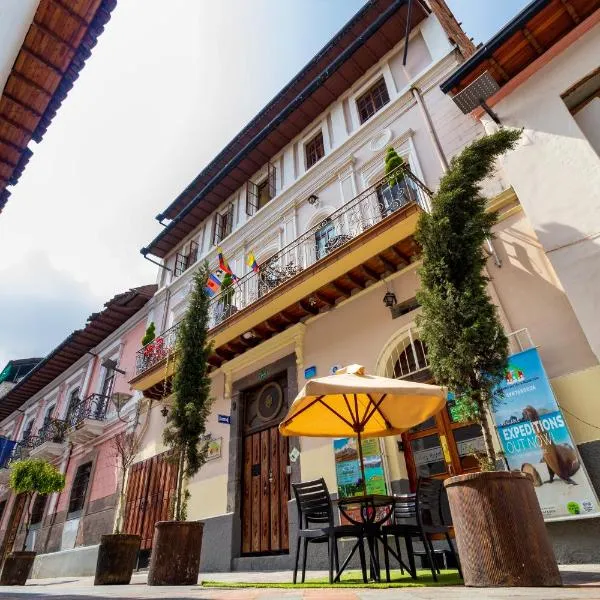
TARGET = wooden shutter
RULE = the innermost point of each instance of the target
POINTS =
(228, 221)
(216, 231)
(272, 175)
(251, 198)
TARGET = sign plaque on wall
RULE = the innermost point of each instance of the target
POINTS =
(226, 419)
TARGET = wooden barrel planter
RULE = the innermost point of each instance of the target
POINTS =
(500, 532)
(17, 567)
(117, 556)
(176, 551)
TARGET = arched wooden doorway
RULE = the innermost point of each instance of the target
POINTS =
(442, 446)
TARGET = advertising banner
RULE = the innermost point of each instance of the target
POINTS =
(535, 440)
(347, 468)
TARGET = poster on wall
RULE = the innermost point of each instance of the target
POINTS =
(535, 440)
(347, 468)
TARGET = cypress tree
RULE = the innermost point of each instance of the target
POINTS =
(186, 423)
(467, 347)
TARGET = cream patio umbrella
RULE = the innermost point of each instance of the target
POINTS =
(352, 403)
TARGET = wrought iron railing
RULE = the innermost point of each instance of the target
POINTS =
(53, 431)
(366, 210)
(159, 348)
(373, 205)
(94, 407)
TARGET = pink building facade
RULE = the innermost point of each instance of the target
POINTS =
(68, 411)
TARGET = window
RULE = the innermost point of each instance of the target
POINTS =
(73, 403)
(322, 236)
(37, 512)
(48, 416)
(372, 100)
(78, 490)
(27, 430)
(408, 360)
(222, 225)
(314, 150)
(183, 260)
(258, 195)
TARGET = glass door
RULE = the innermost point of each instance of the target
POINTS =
(442, 447)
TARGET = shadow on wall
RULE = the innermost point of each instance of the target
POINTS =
(533, 296)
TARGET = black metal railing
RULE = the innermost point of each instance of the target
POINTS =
(378, 202)
(54, 430)
(159, 348)
(94, 407)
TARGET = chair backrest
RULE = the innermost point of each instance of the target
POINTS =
(405, 509)
(428, 502)
(314, 503)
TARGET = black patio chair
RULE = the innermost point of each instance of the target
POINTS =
(316, 526)
(420, 516)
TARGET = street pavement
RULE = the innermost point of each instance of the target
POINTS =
(580, 581)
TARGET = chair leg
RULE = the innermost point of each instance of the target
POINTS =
(305, 544)
(398, 552)
(411, 556)
(427, 547)
(330, 553)
(363, 561)
(297, 558)
(435, 564)
(336, 555)
(386, 558)
(455, 555)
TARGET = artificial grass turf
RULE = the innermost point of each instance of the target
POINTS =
(350, 579)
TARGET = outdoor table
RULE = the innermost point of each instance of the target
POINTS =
(375, 510)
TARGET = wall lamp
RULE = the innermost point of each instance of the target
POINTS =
(390, 299)
(313, 199)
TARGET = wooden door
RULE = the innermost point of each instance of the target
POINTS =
(442, 447)
(12, 526)
(265, 483)
(150, 494)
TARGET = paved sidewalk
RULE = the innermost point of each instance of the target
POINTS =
(581, 582)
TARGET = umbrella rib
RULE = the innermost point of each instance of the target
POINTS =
(288, 421)
(377, 409)
(347, 403)
(336, 413)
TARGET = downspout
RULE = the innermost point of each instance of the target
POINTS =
(430, 128)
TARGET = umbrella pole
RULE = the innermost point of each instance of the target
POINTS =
(362, 463)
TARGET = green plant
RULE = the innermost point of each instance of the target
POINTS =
(32, 476)
(467, 347)
(394, 167)
(186, 423)
(150, 334)
(227, 290)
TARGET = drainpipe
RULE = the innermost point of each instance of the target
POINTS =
(430, 128)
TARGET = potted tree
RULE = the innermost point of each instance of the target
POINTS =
(177, 544)
(29, 476)
(468, 351)
(118, 551)
(227, 294)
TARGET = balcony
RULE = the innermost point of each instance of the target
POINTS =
(86, 420)
(50, 441)
(21, 450)
(365, 240)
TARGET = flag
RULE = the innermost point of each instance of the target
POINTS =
(251, 261)
(224, 265)
(213, 285)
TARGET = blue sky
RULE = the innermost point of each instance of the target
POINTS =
(169, 84)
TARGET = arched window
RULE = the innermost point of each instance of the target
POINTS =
(408, 359)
